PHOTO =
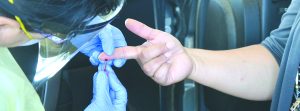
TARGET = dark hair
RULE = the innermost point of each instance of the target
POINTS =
(56, 14)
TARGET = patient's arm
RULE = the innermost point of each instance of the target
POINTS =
(249, 72)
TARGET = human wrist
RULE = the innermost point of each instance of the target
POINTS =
(197, 64)
(193, 63)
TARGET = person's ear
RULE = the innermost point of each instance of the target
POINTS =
(4, 21)
(10, 33)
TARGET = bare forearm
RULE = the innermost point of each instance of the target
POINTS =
(249, 72)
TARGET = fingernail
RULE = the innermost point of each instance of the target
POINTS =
(94, 62)
(126, 21)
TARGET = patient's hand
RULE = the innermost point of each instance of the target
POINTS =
(162, 57)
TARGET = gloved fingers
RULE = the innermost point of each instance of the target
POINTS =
(91, 46)
(112, 94)
(107, 42)
(101, 86)
(94, 83)
(119, 41)
(119, 62)
(101, 93)
(91, 107)
(116, 86)
(94, 58)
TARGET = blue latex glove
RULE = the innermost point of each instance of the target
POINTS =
(106, 41)
(108, 92)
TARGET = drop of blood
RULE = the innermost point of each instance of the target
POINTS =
(105, 64)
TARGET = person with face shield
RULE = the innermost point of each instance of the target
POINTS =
(63, 28)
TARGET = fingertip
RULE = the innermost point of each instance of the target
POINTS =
(128, 21)
(94, 58)
(119, 62)
(94, 62)
(140, 29)
(132, 24)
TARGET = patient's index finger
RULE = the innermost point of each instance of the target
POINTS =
(141, 29)
(128, 52)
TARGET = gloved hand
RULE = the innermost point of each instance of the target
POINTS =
(108, 92)
(162, 57)
(106, 41)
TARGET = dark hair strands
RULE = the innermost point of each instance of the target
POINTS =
(70, 13)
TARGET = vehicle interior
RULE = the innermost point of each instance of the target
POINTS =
(206, 24)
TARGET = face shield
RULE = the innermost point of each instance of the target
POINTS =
(55, 53)
(58, 48)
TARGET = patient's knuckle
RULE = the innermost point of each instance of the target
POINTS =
(144, 55)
